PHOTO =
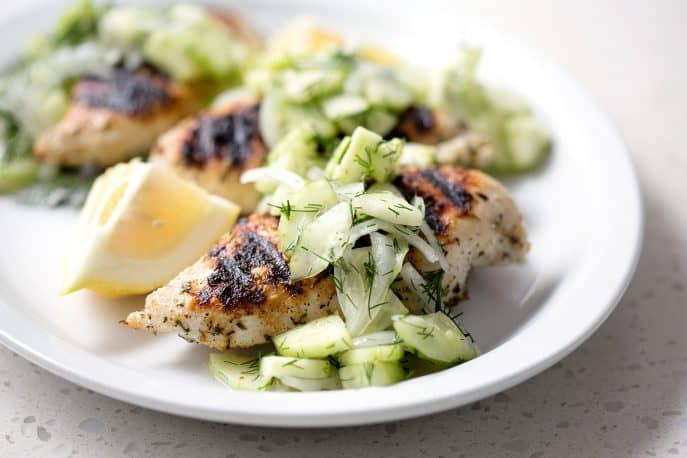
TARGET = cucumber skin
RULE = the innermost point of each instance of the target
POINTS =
(326, 384)
(371, 374)
(434, 340)
(379, 353)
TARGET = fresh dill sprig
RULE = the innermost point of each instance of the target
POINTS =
(366, 162)
(434, 290)
(286, 209)
(293, 362)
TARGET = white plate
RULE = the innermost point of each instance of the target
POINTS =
(583, 214)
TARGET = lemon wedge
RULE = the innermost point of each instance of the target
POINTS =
(140, 226)
(380, 56)
(303, 35)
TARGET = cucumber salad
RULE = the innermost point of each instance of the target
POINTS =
(345, 216)
(317, 80)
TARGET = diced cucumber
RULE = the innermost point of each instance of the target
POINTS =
(302, 384)
(352, 160)
(305, 368)
(376, 338)
(322, 242)
(278, 117)
(388, 207)
(434, 337)
(302, 207)
(279, 387)
(129, 25)
(379, 353)
(344, 105)
(417, 367)
(371, 374)
(418, 155)
(385, 90)
(238, 370)
(528, 140)
(193, 45)
(296, 152)
(306, 85)
(17, 173)
(365, 155)
(384, 162)
(270, 118)
(317, 339)
(379, 120)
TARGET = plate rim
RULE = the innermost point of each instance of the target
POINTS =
(410, 408)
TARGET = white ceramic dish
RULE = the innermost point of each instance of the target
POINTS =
(583, 213)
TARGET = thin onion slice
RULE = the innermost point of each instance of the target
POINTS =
(286, 177)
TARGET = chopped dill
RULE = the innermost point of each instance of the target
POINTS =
(294, 363)
(434, 290)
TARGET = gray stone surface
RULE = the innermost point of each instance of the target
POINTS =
(623, 393)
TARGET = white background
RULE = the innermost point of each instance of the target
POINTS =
(623, 393)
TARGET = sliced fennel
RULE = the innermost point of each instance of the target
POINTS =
(300, 208)
(406, 233)
(388, 207)
(376, 338)
(363, 278)
(419, 286)
(346, 192)
(322, 242)
(279, 175)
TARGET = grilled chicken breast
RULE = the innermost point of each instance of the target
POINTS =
(215, 148)
(116, 118)
(473, 218)
(239, 294)
(113, 119)
(457, 143)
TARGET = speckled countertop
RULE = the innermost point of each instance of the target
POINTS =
(623, 393)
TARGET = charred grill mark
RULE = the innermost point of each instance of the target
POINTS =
(414, 122)
(233, 136)
(241, 275)
(453, 191)
(134, 93)
(431, 185)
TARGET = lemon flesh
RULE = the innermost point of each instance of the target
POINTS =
(140, 226)
(303, 35)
